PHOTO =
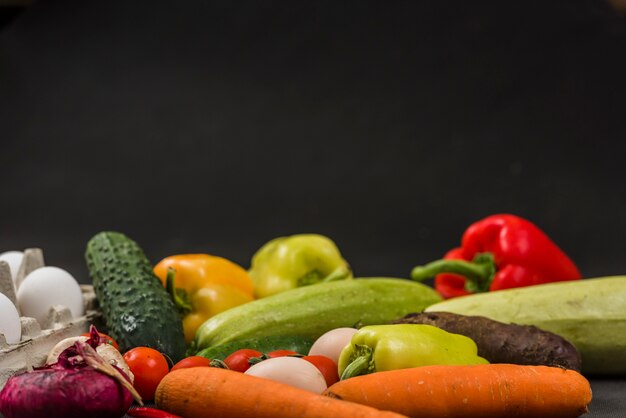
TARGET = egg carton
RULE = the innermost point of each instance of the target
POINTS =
(39, 338)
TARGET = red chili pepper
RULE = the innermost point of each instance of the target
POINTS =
(145, 412)
(498, 252)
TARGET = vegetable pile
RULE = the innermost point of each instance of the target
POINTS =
(509, 329)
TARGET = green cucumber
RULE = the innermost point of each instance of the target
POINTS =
(299, 344)
(136, 308)
(589, 313)
(312, 310)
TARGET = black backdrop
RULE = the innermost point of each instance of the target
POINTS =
(389, 126)
(205, 126)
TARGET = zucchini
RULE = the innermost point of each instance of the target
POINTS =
(589, 313)
(310, 311)
(136, 308)
(300, 345)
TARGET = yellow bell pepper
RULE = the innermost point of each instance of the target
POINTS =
(203, 285)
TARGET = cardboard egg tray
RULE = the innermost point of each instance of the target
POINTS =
(38, 339)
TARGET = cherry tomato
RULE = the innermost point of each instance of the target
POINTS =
(325, 365)
(193, 361)
(281, 353)
(238, 360)
(107, 339)
(149, 367)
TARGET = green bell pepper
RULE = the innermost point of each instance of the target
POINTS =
(389, 347)
(288, 262)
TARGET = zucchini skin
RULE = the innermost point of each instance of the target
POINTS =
(136, 308)
(300, 345)
(589, 313)
(313, 310)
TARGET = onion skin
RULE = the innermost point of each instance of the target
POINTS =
(64, 393)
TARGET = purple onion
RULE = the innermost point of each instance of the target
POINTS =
(70, 388)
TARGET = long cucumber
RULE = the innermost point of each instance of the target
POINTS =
(312, 310)
(589, 313)
(136, 307)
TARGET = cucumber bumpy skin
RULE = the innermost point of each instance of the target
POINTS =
(589, 313)
(313, 310)
(136, 307)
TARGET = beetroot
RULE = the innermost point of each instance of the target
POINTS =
(80, 384)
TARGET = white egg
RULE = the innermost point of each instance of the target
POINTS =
(48, 286)
(13, 259)
(332, 343)
(10, 324)
(292, 371)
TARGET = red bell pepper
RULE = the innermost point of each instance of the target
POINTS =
(147, 412)
(499, 252)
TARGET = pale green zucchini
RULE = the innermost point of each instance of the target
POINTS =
(312, 310)
(590, 313)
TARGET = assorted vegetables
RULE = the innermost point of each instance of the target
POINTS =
(296, 343)
(513, 338)
(192, 393)
(504, 343)
(590, 314)
(312, 310)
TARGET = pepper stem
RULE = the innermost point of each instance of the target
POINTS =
(179, 296)
(361, 363)
(339, 273)
(315, 276)
(478, 273)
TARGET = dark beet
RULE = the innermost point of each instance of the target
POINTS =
(504, 343)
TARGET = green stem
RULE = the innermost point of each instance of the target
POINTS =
(339, 273)
(361, 364)
(478, 273)
(178, 295)
(218, 364)
(315, 276)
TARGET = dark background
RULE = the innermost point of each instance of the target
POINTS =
(205, 126)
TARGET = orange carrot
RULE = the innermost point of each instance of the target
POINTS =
(220, 393)
(487, 390)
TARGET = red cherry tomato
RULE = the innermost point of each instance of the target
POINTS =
(107, 339)
(325, 365)
(192, 361)
(281, 353)
(149, 367)
(238, 360)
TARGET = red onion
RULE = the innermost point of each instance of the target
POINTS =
(80, 384)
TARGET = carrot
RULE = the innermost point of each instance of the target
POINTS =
(220, 393)
(486, 390)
